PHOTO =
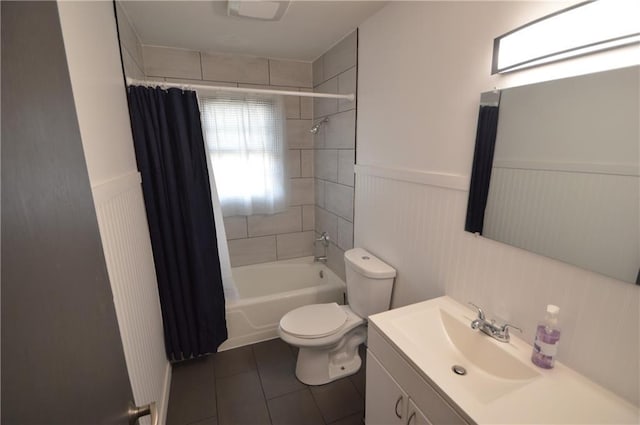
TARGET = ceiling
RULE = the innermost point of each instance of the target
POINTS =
(306, 31)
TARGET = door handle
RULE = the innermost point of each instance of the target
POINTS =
(136, 412)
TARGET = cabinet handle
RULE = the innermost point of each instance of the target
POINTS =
(413, 415)
(397, 404)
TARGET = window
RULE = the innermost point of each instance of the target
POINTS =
(245, 138)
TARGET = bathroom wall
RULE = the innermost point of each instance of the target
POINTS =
(257, 238)
(421, 69)
(334, 149)
(91, 45)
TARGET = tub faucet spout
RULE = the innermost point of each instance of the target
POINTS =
(320, 259)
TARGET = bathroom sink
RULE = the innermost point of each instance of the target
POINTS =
(441, 338)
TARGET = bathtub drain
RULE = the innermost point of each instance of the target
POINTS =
(321, 274)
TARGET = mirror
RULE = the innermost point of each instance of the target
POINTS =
(556, 171)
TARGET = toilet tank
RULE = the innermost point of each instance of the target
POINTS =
(369, 282)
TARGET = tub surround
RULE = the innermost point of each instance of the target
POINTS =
(257, 238)
(417, 113)
(334, 148)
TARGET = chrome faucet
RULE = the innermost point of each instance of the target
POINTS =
(324, 238)
(499, 332)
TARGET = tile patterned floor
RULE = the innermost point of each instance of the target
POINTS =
(256, 385)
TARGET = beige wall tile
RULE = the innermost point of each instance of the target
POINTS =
(241, 69)
(252, 250)
(235, 227)
(340, 132)
(301, 191)
(168, 62)
(341, 57)
(128, 38)
(293, 162)
(336, 261)
(346, 160)
(306, 162)
(200, 82)
(326, 164)
(291, 103)
(318, 138)
(306, 106)
(345, 234)
(323, 107)
(326, 222)
(308, 217)
(319, 192)
(131, 67)
(298, 135)
(317, 71)
(292, 245)
(339, 200)
(271, 224)
(290, 73)
(347, 85)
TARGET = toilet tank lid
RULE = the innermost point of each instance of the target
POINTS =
(367, 264)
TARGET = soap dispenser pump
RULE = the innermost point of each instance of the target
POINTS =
(545, 346)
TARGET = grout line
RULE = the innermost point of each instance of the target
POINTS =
(264, 395)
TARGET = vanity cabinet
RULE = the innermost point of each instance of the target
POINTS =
(397, 395)
(387, 403)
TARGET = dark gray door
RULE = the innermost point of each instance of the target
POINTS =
(62, 357)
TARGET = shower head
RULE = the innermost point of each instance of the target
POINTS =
(316, 127)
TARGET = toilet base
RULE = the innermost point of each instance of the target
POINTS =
(318, 366)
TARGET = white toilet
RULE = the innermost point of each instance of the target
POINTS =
(328, 335)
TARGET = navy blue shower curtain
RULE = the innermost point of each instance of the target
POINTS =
(170, 153)
(481, 171)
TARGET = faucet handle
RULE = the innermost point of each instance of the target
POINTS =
(505, 328)
(481, 315)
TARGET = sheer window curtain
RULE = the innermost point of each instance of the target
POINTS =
(246, 144)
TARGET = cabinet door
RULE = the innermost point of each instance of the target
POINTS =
(386, 403)
(415, 415)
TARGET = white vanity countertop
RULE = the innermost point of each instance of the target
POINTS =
(558, 395)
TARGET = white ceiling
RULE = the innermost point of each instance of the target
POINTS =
(307, 30)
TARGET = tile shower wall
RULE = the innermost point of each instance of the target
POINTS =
(130, 46)
(257, 238)
(334, 149)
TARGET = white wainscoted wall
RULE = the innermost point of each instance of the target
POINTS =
(91, 44)
(421, 69)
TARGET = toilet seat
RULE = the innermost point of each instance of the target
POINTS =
(314, 321)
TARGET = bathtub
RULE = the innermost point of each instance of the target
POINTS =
(267, 291)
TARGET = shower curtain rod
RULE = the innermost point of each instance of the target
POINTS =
(202, 87)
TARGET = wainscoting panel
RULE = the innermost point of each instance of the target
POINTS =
(127, 248)
(418, 229)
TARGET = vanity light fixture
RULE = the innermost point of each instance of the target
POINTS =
(578, 30)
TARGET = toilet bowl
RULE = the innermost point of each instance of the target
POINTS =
(328, 335)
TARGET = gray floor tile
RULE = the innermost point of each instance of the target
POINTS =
(276, 365)
(358, 380)
(296, 408)
(357, 419)
(241, 400)
(193, 393)
(234, 361)
(337, 399)
(209, 421)
(272, 351)
(279, 378)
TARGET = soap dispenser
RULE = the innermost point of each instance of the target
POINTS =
(545, 346)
